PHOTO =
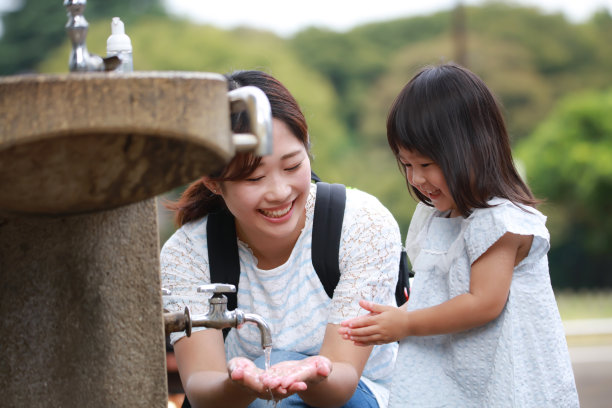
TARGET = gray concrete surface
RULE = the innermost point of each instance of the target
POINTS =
(593, 373)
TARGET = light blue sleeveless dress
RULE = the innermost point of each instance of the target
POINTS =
(520, 359)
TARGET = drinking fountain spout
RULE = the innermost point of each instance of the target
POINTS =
(76, 27)
(264, 329)
(218, 317)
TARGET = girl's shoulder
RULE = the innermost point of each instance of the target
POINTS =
(487, 225)
(503, 211)
(420, 216)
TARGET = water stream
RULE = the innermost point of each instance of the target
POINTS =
(268, 354)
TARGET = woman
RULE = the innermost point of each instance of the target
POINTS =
(272, 201)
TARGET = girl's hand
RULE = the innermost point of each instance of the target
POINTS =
(289, 377)
(384, 324)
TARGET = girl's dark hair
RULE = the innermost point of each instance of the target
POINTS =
(197, 200)
(448, 114)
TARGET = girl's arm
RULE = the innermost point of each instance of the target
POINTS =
(201, 362)
(490, 279)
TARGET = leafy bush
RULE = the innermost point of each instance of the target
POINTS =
(569, 162)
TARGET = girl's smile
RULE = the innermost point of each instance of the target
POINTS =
(426, 176)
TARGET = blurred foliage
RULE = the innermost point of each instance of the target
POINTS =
(35, 28)
(583, 304)
(569, 161)
(345, 83)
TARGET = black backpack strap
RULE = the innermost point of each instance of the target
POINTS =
(223, 252)
(402, 290)
(326, 231)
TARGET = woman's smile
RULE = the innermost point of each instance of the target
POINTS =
(278, 214)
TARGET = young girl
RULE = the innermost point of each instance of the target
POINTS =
(272, 201)
(481, 328)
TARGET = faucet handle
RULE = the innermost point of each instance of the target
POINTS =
(257, 105)
(217, 289)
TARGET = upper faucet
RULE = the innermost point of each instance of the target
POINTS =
(76, 27)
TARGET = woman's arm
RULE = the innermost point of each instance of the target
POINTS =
(204, 373)
(491, 275)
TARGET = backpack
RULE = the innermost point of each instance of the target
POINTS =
(327, 227)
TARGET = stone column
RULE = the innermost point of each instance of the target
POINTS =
(81, 310)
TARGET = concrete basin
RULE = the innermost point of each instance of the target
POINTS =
(86, 142)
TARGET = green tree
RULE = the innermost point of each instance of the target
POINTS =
(568, 163)
(38, 26)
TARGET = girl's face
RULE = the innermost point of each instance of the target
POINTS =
(427, 177)
(271, 202)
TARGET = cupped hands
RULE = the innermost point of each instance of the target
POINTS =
(282, 379)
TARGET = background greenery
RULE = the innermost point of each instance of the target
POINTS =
(552, 76)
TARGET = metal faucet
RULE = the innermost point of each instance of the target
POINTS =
(256, 103)
(218, 317)
(76, 27)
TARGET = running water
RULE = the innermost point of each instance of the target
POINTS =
(268, 354)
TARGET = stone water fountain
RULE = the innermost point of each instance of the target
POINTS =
(82, 158)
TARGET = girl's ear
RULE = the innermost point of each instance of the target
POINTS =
(211, 185)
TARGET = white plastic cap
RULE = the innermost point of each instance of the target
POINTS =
(118, 41)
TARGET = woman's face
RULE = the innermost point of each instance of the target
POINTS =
(427, 177)
(270, 203)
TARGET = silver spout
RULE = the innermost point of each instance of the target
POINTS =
(264, 329)
(257, 105)
(80, 59)
(218, 317)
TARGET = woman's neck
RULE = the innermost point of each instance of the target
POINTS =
(271, 256)
(271, 252)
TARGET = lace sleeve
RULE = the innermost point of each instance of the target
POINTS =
(184, 267)
(369, 257)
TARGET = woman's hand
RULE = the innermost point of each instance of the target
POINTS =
(243, 371)
(289, 377)
(282, 380)
(384, 324)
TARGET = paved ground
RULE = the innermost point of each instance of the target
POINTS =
(593, 373)
(592, 362)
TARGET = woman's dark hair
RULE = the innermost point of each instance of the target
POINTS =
(448, 114)
(197, 200)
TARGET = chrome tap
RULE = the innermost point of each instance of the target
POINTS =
(256, 103)
(218, 317)
(76, 27)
